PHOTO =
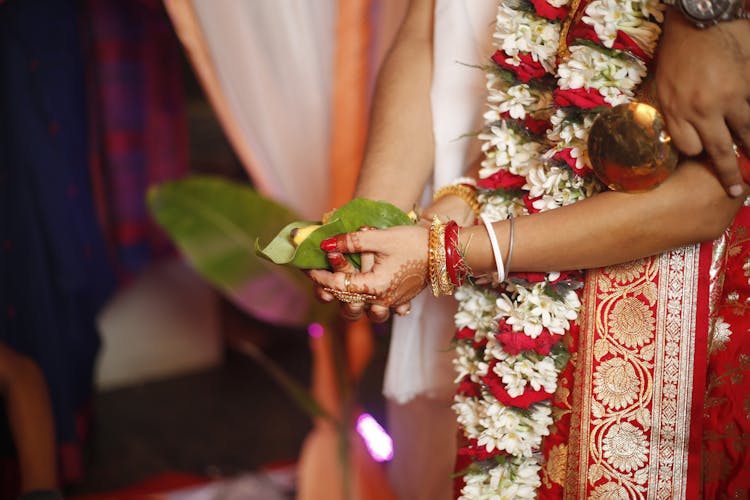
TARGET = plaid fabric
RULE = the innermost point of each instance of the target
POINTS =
(139, 132)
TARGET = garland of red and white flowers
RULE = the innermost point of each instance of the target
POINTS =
(542, 102)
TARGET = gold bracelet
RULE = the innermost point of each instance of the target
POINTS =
(440, 281)
(467, 193)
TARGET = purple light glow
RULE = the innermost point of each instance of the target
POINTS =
(315, 330)
(378, 442)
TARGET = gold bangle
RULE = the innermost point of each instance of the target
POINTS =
(440, 281)
(467, 193)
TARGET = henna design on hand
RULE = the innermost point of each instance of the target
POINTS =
(405, 284)
(354, 242)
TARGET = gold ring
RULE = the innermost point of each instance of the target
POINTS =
(350, 297)
(347, 281)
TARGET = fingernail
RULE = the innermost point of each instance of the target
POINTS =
(735, 191)
(365, 228)
(336, 257)
(328, 245)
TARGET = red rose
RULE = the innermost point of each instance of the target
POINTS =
(502, 179)
(583, 31)
(468, 388)
(567, 276)
(543, 9)
(624, 42)
(565, 155)
(582, 98)
(465, 333)
(528, 69)
(528, 201)
(528, 398)
(516, 342)
(530, 277)
(478, 453)
(537, 127)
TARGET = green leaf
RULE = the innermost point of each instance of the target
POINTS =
(215, 223)
(350, 217)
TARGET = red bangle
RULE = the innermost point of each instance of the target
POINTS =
(454, 263)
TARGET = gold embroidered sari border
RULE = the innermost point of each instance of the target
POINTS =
(635, 443)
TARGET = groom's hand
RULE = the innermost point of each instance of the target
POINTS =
(703, 86)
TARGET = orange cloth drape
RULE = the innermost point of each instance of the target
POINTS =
(188, 29)
(348, 135)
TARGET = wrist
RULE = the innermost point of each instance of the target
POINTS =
(450, 207)
(464, 189)
(476, 246)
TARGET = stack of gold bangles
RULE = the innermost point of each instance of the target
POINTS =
(439, 280)
(446, 266)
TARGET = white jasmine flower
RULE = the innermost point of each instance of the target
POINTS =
(476, 309)
(523, 32)
(517, 100)
(499, 208)
(591, 68)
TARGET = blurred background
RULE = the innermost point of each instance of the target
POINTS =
(102, 99)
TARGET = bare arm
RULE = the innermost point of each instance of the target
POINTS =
(400, 148)
(689, 207)
(30, 417)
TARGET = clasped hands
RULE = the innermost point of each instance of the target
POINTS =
(393, 266)
(393, 271)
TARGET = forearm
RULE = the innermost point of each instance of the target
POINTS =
(30, 418)
(400, 149)
(611, 227)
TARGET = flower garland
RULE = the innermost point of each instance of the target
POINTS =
(542, 101)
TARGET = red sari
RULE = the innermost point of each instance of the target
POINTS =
(656, 400)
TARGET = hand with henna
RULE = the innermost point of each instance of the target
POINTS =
(447, 208)
(352, 311)
(399, 268)
(702, 83)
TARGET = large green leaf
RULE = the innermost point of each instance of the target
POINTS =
(350, 217)
(215, 223)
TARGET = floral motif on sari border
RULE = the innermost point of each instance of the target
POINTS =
(633, 387)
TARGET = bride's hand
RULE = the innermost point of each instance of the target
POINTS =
(399, 271)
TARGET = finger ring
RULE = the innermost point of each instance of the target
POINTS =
(349, 297)
(347, 281)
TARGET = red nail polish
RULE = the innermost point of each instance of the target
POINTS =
(328, 245)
